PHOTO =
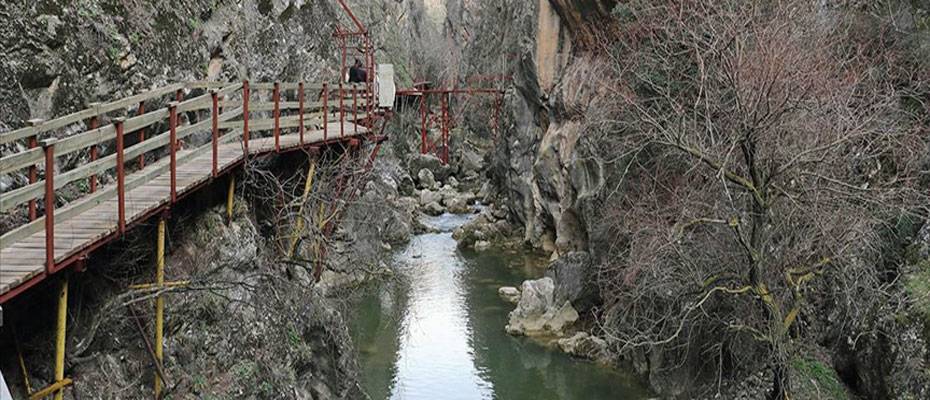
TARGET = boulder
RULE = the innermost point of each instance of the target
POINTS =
(405, 186)
(509, 293)
(482, 227)
(470, 162)
(484, 193)
(457, 205)
(426, 179)
(573, 274)
(431, 163)
(582, 344)
(433, 209)
(482, 245)
(428, 196)
(497, 211)
(537, 313)
(452, 182)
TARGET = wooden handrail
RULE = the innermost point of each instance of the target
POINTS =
(309, 113)
(93, 137)
(23, 194)
(100, 109)
(108, 192)
(86, 113)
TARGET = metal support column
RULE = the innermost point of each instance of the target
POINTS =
(159, 302)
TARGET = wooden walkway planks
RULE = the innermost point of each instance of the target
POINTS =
(25, 259)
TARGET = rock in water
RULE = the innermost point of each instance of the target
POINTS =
(537, 313)
(433, 209)
(509, 293)
(483, 245)
(457, 205)
(583, 344)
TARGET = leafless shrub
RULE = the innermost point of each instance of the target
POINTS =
(760, 156)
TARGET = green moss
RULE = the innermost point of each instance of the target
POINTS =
(918, 288)
(294, 337)
(245, 370)
(814, 379)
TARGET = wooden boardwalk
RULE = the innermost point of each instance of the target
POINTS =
(25, 259)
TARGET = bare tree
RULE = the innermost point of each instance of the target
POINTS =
(761, 153)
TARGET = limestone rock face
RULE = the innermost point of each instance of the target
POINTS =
(573, 274)
(537, 313)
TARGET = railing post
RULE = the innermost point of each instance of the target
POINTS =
(445, 128)
(216, 130)
(423, 116)
(179, 97)
(93, 124)
(33, 177)
(120, 174)
(355, 108)
(173, 148)
(325, 111)
(33, 170)
(245, 119)
(300, 111)
(277, 116)
(342, 116)
(372, 73)
(141, 135)
(48, 146)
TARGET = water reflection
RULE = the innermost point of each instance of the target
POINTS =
(439, 334)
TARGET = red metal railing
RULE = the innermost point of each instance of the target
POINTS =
(119, 128)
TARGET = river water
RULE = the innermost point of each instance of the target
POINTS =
(437, 333)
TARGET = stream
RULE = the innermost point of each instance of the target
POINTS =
(438, 332)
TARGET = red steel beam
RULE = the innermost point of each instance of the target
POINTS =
(48, 146)
(33, 177)
(325, 111)
(245, 118)
(215, 111)
(277, 116)
(141, 135)
(93, 124)
(358, 24)
(173, 148)
(120, 174)
(300, 110)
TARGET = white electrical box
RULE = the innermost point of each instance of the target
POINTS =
(385, 85)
